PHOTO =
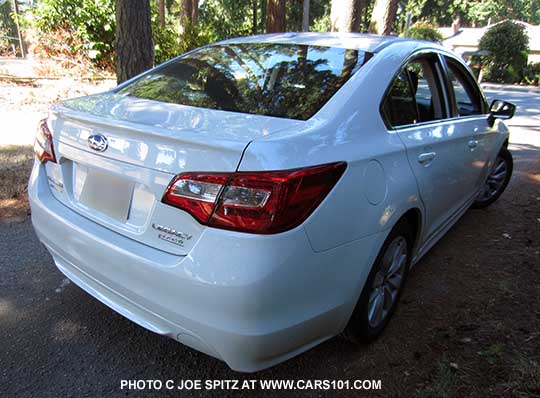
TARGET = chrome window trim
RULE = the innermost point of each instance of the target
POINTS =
(439, 122)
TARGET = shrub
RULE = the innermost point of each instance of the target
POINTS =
(424, 30)
(508, 46)
(531, 74)
(88, 31)
(321, 24)
(92, 22)
(9, 44)
(5, 43)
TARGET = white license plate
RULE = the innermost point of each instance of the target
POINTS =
(107, 194)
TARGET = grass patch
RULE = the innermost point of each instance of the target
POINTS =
(444, 382)
(15, 166)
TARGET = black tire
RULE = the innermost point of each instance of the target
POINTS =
(359, 329)
(482, 201)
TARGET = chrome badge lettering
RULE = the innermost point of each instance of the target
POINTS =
(171, 239)
(56, 185)
(171, 235)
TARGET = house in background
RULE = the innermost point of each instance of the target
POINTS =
(464, 41)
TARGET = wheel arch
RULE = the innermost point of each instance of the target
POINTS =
(414, 219)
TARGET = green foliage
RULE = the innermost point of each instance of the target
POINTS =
(91, 21)
(89, 25)
(441, 12)
(321, 24)
(531, 74)
(5, 42)
(319, 15)
(8, 29)
(165, 40)
(169, 42)
(508, 45)
(226, 18)
(424, 30)
(498, 10)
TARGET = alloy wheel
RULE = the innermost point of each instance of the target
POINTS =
(388, 281)
(495, 180)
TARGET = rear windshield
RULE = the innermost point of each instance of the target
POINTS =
(283, 80)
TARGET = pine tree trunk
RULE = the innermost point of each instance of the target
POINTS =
(186, 7)
(305, 16)
(350, 59)
(254, 8)
(275, 16)
(262, 20)
(194, 12)
(345, 15)
(134, 45)
(161, 12)
(189, 13)
(383, 17)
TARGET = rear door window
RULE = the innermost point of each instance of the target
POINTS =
(399, 106)
(274, 79)
(426, 89)
(415, 95)
(467, 97)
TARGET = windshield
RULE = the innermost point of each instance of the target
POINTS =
(283, 80)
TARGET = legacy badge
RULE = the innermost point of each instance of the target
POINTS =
(171, 235)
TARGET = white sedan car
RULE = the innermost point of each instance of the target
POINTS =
(257, 196)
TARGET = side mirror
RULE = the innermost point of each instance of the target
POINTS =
(500, 109)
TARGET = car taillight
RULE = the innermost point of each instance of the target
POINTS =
(263, 202)
(43, 143)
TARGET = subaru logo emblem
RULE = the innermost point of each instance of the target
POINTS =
(98, 142)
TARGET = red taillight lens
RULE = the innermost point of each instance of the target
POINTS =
(257, 202)
(196, 193)
(43, 144)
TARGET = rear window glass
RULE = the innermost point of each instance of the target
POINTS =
(283, 80)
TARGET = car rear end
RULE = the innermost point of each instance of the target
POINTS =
(141, 204)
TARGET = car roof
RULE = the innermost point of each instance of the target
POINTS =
(357, 41)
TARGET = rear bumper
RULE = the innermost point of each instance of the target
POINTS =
(251, 301)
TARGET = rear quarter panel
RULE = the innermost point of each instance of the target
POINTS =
(378, 185)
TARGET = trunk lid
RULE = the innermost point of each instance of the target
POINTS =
(148, 143)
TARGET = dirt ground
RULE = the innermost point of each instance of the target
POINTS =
(15, 166)
(469, 321)
(468, 324)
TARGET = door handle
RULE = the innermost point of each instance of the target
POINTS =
(473, 144)
(426, 158)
